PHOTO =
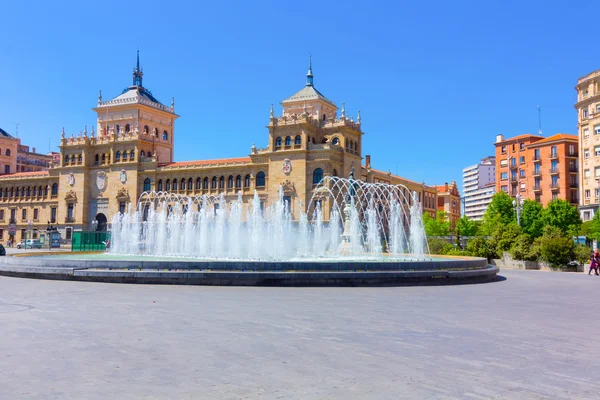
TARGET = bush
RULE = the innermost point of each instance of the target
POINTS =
(522, 248)
(447, 249)
(506, 237)
(481, 247)
(582, 254)
(457, 252)
(436, 245)
(557, 251)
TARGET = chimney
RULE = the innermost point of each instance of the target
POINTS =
(33, 150)
(445, 186)
(368, 161)
(499, 138)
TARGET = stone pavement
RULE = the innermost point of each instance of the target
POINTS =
(531, 336)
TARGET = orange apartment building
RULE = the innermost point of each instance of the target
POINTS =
(537, 168)
(448, 200)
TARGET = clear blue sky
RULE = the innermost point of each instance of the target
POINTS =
(435, 81)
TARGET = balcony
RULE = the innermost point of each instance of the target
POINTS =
(573, 168)
(537, 172)
(69, 220)
(513, 166)
(554, 186)
(537, 188)
(537, 159)
(573, 185)
(553, 171)
(572, 155)
(574, 200)
(554, 155)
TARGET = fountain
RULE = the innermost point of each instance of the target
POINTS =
(350, 233)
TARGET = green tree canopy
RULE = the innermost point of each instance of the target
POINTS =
(499, 211)
(438, 226)
(466, 226)
(531, 218)
(591, 228)
(561, 214)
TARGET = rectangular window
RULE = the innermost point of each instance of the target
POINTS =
(522, 160)
(1, 234)
(122, 207)
(7, 169)
(587, 193)
(585, 113)
(53, 215)
(24, 214)
(586, 154)
(536, 154)
(554, 181)
(596, 129)
(538, 198)
(2, 215)
(586, 174)
(537, 183)
(521, 146)
(504, 176)
(70, 211)
(553, 152)
(522, 173)
(23, 234)
(503, 149)
(513, 175)
(536, 169)
(571, 149)
(35, 214)
(597, 172)
(586, 215)
(554, 196)
(523, 186)
(513, 162)
(586, 133)
(503, 163)
(597, 151)
(13, 215)
(504, 188)
(554, 166)
(68, 233)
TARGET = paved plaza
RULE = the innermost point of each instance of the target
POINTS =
(533, 335)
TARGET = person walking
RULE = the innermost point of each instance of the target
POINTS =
(594, 259)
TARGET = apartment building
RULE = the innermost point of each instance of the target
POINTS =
(479, 185)
(588, 126)
(542, 169)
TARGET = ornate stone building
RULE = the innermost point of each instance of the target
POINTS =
(102, 171)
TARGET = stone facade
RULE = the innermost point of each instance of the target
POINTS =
(130, 150)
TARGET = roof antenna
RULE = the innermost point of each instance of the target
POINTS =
(17, 130)
(539, 121)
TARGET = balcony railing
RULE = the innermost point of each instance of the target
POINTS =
(553, 170)
(537, 159)
(554, 186)
(537, 187)
(573, 185)
(536, 172)
(69, 220)
(553, 154)
(573, 168)
(573, 154)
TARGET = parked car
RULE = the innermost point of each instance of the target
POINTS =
(29, 244)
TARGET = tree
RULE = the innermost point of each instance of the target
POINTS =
(481, 247)
(439, 226)
(501, 204)
(556, 248)
(531, 218)
(522, 248)
(591, 228)
(506, 237)
(561, 214)
(466, 226)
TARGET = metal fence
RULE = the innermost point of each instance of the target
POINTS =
(89, 240)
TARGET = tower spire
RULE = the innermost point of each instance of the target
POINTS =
(309, 75)
(137, 72)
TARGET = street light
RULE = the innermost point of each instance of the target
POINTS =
(518, 205)
(94, 225)
(30, 228)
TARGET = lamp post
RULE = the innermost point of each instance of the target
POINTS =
(518, 205)
(94, 225)
(30, 229)
(49, 230)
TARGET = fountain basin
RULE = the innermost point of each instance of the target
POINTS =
(170, 270)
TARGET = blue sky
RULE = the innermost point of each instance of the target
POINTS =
(435, 81)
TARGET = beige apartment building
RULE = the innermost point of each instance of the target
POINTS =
(588, 125)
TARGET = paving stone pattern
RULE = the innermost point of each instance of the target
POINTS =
(531, 336)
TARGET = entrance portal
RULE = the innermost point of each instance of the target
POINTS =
(102, 222)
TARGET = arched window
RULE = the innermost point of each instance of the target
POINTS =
(132, 155)
(190, 184)
(39, 191)
(66, 160)
(34, 191)
(238, 181)
(142, 154)
(28, 191)
(324, 117)
(45, 191)
(155, 132)
(222, 182)
(73, 159)
(55, 189)
(182, 186)
(198, 183)
(351, 145)
(298, 140)
(168, 185)
(175, 184)
(313, 140)
(147, 185)
(336, 140)
(317, 176)
(205, 186)
(278, 142)
(12, 192)
(117, 129)
(8, 152)
(146, 129)
(230, 182)
(19, 191)
(127, 128)
(214, 183)
(79, 159)
(247, 181)
(165, 135)
(97, 159)
(103, 158)
(159, 186)
(260, 179)
(288, 140)
(118, 156)
(335, 172)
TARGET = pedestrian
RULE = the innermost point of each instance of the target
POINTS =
(594, 259)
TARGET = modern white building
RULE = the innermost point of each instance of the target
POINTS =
(479, 185)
